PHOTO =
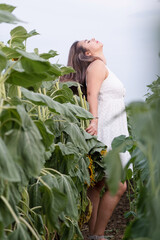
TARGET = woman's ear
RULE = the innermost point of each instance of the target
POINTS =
(88, 53)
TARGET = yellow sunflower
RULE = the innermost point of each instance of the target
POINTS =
(91, 171)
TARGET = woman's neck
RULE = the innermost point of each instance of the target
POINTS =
(101, 56)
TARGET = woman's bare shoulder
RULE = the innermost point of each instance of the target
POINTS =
(96, 65)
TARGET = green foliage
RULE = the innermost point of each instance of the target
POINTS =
(112, 162)
(8, 170)
(143, 144)
(154, 89)
(43, 147)
(45, 151)
(3, 61)
(6, 14)
(6, 7)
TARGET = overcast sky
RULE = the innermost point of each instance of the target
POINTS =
(129, 30)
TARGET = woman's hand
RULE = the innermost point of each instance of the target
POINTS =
(93, 126)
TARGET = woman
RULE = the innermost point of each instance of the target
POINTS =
(105, 95)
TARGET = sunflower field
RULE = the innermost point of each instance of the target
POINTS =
(48, 160)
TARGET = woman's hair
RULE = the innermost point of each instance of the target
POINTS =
(78, 60)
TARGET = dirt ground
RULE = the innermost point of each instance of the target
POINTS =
(117, 224)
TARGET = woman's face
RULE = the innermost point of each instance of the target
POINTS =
(91, 45)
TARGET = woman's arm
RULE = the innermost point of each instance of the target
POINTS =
(95, 75)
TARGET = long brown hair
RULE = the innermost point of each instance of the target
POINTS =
(79, 61)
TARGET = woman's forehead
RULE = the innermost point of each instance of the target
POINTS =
(82, 42)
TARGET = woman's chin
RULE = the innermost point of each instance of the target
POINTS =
(101, 45)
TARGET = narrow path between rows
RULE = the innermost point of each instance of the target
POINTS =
(117, 223)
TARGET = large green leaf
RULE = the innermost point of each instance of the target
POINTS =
(94, 145)
(69, 84)
(79, 111)
(10, 52)
(70, 230)
(76, 136)
(8, 169)
(55, 69)
(67, 186)
(67, 110)
(16, 44)
(64, 158)
(31, 56)
(54, 106)
(13, 91)
(5, 216)
(3, 61)
(7, 17)
(18, 34)
(53, 200)
(2, 44)
(7, 7)
(25, 145)
(66, 70)
(144, 118)
(83, 173)
(63, 95)
(10, 120)
(112, 163)
(154, 93)
(48, 55)
(35, 196)
(55, 125)
(33, 66)
(60, 199)
(34, 63)
(31, 62)
(123, 143)
(68, 149)
(20, 233)
(25, 79)
(49, 196)
(32, 33)
(141, 164)
(2, 233)
(139, 112)
(46, 134)
(13, 196)
(147, 134)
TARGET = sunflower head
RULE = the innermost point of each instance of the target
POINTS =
(104, 152)
(91, 171)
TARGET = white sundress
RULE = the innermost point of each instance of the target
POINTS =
(111, 103)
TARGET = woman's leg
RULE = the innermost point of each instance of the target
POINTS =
(106, 207)
(94, 196)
